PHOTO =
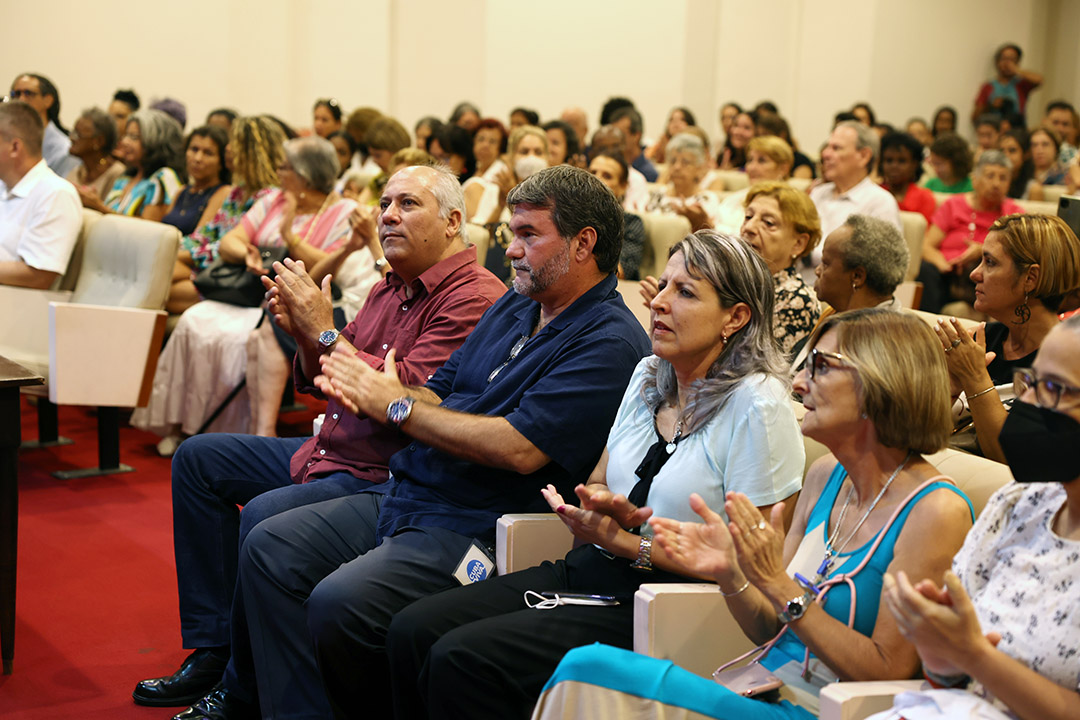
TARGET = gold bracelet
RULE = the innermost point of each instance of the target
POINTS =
(733, 594)
(981, 392)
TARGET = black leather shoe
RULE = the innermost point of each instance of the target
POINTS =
(198, 675)
(220, 704)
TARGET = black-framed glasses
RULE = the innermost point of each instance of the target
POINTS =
(1048, 393)
(819, 362)
(18, 94)
(514, 351)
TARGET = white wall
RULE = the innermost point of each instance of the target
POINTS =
(417, 57)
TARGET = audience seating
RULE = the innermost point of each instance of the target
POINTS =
(479, 237)
(98, 344)
(1040, 207)
(662, 230)
(914, 225)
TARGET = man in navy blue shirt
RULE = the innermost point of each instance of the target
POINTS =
(526, 401)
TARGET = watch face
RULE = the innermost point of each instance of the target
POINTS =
(327, 338)
(399, 410)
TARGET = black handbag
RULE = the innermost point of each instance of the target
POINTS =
(232, 283)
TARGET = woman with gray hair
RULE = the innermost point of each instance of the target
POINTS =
(208, 350)
(707, 414)
(151, 150)
(687, 164)
(93, 139)
(953, 243)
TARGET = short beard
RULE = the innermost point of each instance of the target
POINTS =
(541, 278)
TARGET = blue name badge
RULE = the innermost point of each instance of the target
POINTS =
(474, 566)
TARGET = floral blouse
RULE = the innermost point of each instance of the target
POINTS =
(203, 243)
(795, 309)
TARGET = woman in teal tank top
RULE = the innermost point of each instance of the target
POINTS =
(876, 394)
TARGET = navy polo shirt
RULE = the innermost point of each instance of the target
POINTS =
(561, 392)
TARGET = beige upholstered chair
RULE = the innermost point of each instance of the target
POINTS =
(98, 344)
(662, 231)
(1041, 207)
(914, 229)
(479, 237)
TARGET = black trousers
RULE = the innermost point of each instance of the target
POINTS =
(479, 652)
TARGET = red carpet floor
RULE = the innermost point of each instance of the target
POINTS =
(96, 605)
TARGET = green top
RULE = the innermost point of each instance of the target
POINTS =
(936, 185)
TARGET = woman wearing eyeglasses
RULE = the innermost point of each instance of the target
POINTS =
(876, 393)
(709, 412)
(1029, 263)
(1004, 625)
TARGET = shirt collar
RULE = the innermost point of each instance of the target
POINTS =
(437, 274)
(29, 181)
(590, 297)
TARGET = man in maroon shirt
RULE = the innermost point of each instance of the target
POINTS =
(423, 310)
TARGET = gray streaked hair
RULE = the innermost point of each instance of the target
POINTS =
(690, 144)
(739, 275)
(993, 157)
(104, 126)
(162, 139)
(448, 193)
(315, 160)
(879, 248)
(865, 137)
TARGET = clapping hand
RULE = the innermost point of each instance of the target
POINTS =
(356, 385)
(703, 549)
(940, 622)
(599, 498)
(590, 526)
(299, 306)
(759, 544)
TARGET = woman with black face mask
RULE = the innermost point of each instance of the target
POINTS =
(1006, 623)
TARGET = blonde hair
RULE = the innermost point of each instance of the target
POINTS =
(774, 148)
(406, 157)
(795, 206)
(903, 379)
(520, 133)
(386, 133)
(1046, 241)
(257, 150)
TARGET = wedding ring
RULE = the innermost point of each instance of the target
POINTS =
(761, 525)
(948, 350)
(956, 341)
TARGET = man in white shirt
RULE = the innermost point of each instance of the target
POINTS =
(38, 92)
(846, 162)
(40, 212)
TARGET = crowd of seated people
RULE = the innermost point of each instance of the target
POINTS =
(675, 457)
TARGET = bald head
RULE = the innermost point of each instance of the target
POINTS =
(575, 117)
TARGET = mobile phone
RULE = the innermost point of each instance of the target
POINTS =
(581, 599)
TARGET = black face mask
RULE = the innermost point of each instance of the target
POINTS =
(1041, 445)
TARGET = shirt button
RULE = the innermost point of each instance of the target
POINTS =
(335, 416)
(412, 448)
(385, 346)
(322, 452)
(404, 307)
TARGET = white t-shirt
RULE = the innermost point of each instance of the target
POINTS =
(39, 220)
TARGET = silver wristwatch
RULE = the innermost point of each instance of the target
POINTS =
(398, 411)
(796, 607)
(327, 338)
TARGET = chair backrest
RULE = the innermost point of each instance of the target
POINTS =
(70, 278)
(733, 179)
(800, 184)
(479, 237)
(1040, 207)
(914, 229)
(1052, 193)
(127, 262)
(629, 289)
(662, 231)
(978, 477)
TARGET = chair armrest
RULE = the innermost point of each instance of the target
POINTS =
(101, 355)
(857, 700)
(524, 540)
(687, 623)
(24, 325)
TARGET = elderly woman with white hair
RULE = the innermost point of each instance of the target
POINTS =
(687, 164)
(206, 355)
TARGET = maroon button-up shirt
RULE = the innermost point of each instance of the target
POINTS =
(448, 300)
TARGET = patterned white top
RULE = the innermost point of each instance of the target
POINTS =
(1021, 579)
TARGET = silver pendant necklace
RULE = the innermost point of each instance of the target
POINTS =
(831, 549)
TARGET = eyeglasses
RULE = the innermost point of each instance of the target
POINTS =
(16, 94)
(1048, 393)
(818, 362)
(514, 351)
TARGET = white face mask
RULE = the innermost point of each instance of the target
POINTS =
(528, 165)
